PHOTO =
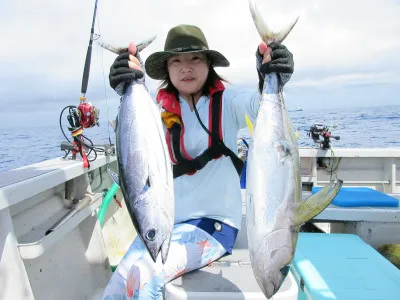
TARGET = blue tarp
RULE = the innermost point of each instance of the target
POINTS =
(354, 197)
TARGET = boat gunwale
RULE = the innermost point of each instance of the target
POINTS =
(54, 172)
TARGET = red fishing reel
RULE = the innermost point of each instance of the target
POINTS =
(85, 115)
(88, 115)
(324, 131)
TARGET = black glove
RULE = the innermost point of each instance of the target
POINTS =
(121, 74)
(281, 63)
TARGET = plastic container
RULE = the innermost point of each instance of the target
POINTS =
(342, 266)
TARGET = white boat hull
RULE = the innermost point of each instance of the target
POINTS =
(74, 261)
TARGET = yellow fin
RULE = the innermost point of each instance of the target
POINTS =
(312, 206)
(250, 125)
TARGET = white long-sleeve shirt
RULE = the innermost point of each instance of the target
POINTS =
(213, 191)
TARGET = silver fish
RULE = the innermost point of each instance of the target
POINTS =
(145, 170)
(275, 209)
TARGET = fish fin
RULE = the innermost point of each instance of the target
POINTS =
(143, 44)
(280, 36)
(113, 175)
(250, 125)
(297, 134)
(118, 50)
(113, 49)
(165, 249)
(266, 34)
(113, 124)
(315, 204)
(283, 150)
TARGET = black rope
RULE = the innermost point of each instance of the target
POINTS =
(198, 117)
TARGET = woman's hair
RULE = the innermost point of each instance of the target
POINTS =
(211, 78)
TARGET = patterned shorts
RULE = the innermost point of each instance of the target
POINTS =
(138, 277)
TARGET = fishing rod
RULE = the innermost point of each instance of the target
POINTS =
(86, 70)
(86, 115)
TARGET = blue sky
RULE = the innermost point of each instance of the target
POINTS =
(346, 52)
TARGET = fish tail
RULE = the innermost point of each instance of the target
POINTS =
(266, 34)
(118, 50)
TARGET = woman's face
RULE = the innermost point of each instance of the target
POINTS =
(188, 72)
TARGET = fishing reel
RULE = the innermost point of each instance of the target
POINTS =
(88, 115)
(85, 115)
(321, 134)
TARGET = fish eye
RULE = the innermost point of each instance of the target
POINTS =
(151, 234)
(285, 270)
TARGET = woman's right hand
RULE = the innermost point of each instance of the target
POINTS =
(126, 68)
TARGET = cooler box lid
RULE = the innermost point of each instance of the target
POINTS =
(343, 266)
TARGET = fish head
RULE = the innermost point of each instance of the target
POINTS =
(274, 281)
(155, 223)
(271, 261)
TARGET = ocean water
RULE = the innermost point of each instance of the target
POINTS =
(376, 127)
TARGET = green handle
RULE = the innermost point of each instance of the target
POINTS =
(106, 202)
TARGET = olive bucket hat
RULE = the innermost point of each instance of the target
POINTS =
(182, 39)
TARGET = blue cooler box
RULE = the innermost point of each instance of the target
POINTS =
(342, 267)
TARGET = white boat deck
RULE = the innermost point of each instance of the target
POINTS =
(33, 198)
(231, 277)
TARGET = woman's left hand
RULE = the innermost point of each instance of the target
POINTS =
(274, 58)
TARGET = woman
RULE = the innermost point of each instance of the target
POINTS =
(202, 120)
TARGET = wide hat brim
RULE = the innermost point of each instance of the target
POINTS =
(156, 63)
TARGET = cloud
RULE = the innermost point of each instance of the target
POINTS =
(335, 43)
(356, 79)
(343, 34)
